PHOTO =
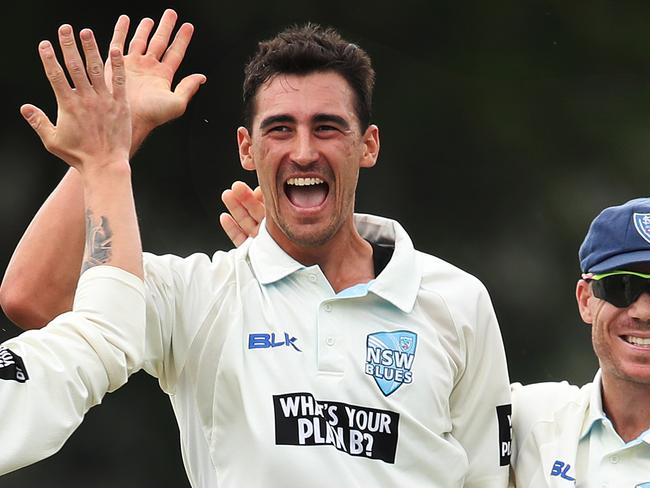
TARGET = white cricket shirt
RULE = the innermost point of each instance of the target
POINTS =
(276, 381)
(562, 438)
(50, 378)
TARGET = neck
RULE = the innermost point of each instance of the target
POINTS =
(345, 259)
(627, 405)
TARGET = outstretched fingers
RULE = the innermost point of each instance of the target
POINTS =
(72, 58)
(160, 39)
(54, 71)
(94, 64)
(120, 32)
(176, 52)
(119, 74)
(138, 44)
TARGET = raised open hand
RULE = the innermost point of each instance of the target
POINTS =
(150, 66)
(93, 125)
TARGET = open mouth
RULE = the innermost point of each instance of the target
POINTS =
(637, 341)
(306, 192)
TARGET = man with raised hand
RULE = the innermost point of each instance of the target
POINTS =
(327, 350)
(50, 378)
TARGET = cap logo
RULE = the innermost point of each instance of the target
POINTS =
(642, 224)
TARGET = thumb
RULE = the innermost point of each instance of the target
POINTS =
(39, 122)
(189, 85)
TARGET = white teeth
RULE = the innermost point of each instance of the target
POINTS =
(304, 181)
(638, 341)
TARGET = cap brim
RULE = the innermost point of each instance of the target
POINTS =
(621, 261)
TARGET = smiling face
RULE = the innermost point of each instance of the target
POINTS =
(307, 147)
(620, 336)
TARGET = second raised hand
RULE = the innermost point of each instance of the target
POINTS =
(151, 64)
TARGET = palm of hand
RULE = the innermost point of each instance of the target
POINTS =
(149, 91)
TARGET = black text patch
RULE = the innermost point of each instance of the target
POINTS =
(301, 420)
(12, 366)
(504, 414)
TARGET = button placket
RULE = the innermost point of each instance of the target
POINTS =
(329, 356)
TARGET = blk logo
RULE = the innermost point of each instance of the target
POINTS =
(562, 470)
(266, 341)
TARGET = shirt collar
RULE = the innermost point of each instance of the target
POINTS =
(596, 412)
(398, 283)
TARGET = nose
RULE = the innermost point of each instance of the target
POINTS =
(304, 151)
(640, 309)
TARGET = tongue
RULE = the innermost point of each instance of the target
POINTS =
(307, 196)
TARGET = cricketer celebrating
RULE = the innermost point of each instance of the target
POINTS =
(327, 343)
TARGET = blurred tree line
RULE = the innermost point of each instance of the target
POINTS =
(505, 127)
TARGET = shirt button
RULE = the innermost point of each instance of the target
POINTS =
(331, 341)
(312, 278)
(613, 459)
(328, 307)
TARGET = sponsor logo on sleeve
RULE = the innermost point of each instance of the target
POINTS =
(561, 469)
(389, 359)
(12, 366)
(642, 224)
(301, 420)
(504, 417)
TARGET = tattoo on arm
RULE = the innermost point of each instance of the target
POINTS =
(98, 242)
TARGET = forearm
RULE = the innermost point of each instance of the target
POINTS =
(42, 275)
(112, 235)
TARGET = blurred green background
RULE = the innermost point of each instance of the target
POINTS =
(505, 127)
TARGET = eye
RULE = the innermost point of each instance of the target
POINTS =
(327, 131)
(279, 128)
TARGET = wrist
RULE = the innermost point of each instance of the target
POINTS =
(139, 132)
(108, 167)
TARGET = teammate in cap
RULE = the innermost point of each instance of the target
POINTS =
(599, 434)
(50, 378)
(327, 350)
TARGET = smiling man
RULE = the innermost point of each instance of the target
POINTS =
(327, 351)
(598, 435)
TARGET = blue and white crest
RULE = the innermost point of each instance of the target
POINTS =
(642, 224)
(643, 485)
(389, 358)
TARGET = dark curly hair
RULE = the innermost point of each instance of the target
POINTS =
(301, 50)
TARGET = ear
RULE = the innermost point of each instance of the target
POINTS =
(583, 296)
(371, 147)
(245, 147)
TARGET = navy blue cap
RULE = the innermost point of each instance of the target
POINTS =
(618, 238)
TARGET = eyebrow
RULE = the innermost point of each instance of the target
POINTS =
(275, 119)
(336, 119)
(318, 118)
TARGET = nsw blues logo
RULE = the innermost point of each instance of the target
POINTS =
(642, 224)
(389, 358)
